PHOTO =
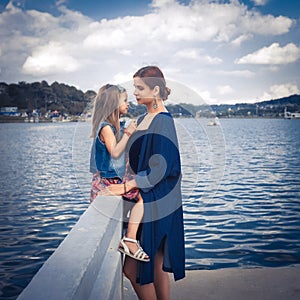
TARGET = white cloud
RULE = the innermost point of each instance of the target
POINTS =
(61, 2)
(194, 43)
(50, 59)
(260, 2)
(123, 78)
(225, 90)
(12, 7)
(187, 53)
(169, 23)
(281, 90)
(265, 25)
(206, 96)
(161, 3)
(240, 39)
(194, 53)
(126, 52)
(175, 23)
(236, 73)
(272, 55)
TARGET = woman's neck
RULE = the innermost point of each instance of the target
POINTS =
(160, 108)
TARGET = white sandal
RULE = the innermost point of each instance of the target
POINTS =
(140, 254)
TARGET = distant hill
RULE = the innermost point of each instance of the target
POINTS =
(70, 100)
(44, 97)
(271, 108)
(291, 101)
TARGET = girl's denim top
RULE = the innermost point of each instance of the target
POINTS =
(100, 159)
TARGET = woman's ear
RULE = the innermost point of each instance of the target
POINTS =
(156, 91)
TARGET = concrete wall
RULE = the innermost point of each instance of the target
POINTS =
(86, 265)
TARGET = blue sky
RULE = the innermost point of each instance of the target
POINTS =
(224, 51)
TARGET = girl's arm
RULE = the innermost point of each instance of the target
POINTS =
(108, 138)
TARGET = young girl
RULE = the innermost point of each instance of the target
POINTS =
(107, 161)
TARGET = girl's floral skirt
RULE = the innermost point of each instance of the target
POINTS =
(100, 183)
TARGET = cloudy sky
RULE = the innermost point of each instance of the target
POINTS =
(224, 51)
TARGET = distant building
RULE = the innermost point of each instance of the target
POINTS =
(289, 115)
(10, 111)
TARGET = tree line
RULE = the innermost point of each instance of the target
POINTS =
(44, 97)
(72, 101)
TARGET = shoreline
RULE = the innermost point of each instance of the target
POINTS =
(77, 119)
(7, 119)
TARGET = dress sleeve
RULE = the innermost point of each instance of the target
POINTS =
(163, 160)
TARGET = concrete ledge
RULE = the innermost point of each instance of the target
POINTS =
(86, 265)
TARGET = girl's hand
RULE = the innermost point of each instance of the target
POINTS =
(113, 190)
(131, 128)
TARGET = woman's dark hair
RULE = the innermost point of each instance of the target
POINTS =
(153, 76)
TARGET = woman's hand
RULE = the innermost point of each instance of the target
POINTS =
(118, 189)
(113, 190)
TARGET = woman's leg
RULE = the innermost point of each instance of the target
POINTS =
(161, 278)
(144, 292)
(160, 290)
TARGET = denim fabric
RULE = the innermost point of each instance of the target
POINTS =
(100, 159)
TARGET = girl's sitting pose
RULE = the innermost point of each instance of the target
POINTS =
(107, 162)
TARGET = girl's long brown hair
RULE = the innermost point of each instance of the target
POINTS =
(106, 108)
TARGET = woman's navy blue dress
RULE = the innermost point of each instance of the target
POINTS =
(154, 158)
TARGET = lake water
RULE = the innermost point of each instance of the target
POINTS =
(241, 192)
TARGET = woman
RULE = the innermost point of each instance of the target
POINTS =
(155, 161)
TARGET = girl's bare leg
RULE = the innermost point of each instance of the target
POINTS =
(160, 290)
(135, 219)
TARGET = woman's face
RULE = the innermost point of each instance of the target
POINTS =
(143, 93)
(123, 104)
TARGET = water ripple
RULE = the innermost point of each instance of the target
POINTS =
(241, 193)
(251, 217)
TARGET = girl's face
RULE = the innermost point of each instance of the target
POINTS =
(123, 104)
(143, 93)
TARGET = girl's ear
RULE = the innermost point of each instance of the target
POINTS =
(156, 91)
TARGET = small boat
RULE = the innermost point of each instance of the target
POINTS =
(215, 122)
(289, 115)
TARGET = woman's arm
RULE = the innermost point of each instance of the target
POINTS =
(118, 189)
(107, 136)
